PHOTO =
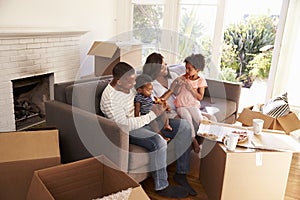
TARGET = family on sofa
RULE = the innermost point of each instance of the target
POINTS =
(131, 135)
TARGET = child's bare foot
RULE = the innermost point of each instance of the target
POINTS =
(168, 127)
(196, 146)
(162, 135)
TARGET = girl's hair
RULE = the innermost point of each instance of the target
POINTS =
(197, 60)
(152, 66)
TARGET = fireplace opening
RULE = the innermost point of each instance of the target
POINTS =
(29, 96)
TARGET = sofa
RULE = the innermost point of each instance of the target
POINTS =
(85, 132)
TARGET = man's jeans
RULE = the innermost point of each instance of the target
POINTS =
(160, 156)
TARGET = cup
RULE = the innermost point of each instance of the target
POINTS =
(257, 126)
(231, 141)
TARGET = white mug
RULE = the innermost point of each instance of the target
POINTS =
(257, 126)
(231, 141)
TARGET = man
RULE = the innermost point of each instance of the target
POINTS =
(117, 103)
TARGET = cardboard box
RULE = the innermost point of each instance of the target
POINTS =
(85, 179)
(108, 54)
(286, 123)
(244, 174)
(21, 154)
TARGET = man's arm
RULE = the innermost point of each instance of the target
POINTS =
(137, 108)
(121, 110)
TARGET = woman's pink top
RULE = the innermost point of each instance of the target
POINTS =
(185, 98)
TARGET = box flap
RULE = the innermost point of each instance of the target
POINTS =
(289, 122)
(25, 145)
(247, 115)
(104, 49)
(138, 193)
(38, 190)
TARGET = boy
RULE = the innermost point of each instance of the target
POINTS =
(143, 103)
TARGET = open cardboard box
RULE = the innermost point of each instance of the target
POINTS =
(108, 54)
(244, 173)
(21, 154)
(81, 180)
(286, 123)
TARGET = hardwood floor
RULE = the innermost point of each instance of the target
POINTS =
(293, 185)
(292, 191)
(193, 178)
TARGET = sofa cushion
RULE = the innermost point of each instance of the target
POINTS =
(139, 159)
(86, 95)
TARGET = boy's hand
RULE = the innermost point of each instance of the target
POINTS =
(162, 102)
(157, 109)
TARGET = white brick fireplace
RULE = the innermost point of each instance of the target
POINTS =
(32, 52)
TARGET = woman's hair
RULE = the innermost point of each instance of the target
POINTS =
(152, 66)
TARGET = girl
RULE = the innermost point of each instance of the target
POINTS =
(191, 92)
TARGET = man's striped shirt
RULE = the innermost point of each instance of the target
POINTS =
(119, 106)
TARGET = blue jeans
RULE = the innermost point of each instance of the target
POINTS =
(161, 154)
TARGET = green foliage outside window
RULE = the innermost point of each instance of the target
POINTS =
(243, 42)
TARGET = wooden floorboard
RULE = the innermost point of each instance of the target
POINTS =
(193, 178)
(292, 190)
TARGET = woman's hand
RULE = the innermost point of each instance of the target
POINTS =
(176, 84)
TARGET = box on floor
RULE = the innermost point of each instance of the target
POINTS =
(286, 123)
(85, 179)
(108, 54)
(244, 174)
(21, 154)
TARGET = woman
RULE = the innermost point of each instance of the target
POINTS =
(163, 80)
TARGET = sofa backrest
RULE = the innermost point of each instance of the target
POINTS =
(86, 95)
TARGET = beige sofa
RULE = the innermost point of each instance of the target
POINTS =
(84, 132)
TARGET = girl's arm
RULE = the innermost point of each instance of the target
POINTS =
(197, 93)
(137, 108)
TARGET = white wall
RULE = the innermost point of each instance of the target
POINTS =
(96, 16)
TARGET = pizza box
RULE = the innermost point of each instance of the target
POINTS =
(22, 153)
(90, 178)
(108, 54)
(271, 140)
(286, 123)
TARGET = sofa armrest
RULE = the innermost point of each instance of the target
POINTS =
(83, 134)
(224, 90)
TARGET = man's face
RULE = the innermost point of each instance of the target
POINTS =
(127, 82)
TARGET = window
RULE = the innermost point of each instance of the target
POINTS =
(197, 21)
(148, 24)
(175, 28)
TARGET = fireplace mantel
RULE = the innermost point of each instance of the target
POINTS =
(35, 31)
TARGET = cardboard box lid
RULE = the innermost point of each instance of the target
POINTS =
(104, 49)
(25, 145)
